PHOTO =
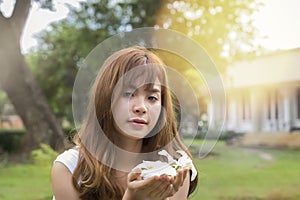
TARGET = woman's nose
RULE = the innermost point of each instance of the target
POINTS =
(139, 106)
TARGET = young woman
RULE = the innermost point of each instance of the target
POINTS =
(130, 118)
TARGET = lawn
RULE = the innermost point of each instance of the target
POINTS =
(249, 174)
(230, 173)
(25, 182)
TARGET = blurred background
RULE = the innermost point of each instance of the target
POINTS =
(254, 44)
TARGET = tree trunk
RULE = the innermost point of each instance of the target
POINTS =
(21, 88)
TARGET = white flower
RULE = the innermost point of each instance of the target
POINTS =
(170, 168)
(169, 157)
(155, 168)
(185, 162)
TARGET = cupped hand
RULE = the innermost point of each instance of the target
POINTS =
(154, 188)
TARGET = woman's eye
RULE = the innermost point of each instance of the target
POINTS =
(153, 98)
(127, 94)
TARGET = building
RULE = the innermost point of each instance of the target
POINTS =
(263, 95)
(11, 122)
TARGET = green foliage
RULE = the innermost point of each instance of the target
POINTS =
(3, 160)
(64, 46)
(10, 139)
(43, 156)
(45, 4)
(115, 16)
(224, 28)
(223, 136)
(3, 100)
(55, 66)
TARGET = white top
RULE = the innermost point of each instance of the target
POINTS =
(69, 158)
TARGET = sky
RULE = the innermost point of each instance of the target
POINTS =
(278, 21)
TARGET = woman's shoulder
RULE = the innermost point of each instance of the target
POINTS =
(62, 175)
(69, 158)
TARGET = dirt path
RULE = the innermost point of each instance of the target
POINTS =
(265, 156)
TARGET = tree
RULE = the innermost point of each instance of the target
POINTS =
(217, 25)
(69, 41)
(225, 29)
(20, 86)
(60, 51)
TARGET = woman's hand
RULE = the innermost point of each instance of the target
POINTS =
(154, 188)
(179, 180)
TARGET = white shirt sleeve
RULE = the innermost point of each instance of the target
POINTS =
(69, 158)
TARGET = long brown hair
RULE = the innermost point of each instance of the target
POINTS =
(92, 178)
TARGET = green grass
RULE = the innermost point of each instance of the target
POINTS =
(240, 174)
(228, 174)
(25, 182)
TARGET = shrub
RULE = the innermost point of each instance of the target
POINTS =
(43, 156)
(224, 136)
(10, 139)
(228, 135)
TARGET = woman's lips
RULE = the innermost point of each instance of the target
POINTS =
(138, 122)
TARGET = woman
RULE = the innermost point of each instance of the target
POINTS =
(130, 117)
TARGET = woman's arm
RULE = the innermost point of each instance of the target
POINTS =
(62, 184)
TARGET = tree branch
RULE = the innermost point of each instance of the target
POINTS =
(20, 14)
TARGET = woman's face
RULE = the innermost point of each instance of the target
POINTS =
(137, 110)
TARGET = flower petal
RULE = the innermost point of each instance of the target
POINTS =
(170, 168)
(186, 161)
(169, 157)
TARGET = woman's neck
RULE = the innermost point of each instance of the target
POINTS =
(129, 144)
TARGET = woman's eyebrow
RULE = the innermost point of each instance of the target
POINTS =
(147, 89)
(154, 90)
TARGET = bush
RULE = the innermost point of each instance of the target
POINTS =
(10, 139)
(224, 136)
(228, 135)
(43, 156)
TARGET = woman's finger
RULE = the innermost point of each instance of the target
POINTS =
(143, 184)
(159, 189)
(180, 177)
(178, 180)
(133, 175)
(168, 191)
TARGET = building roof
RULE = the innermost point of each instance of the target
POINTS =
(283, 66)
